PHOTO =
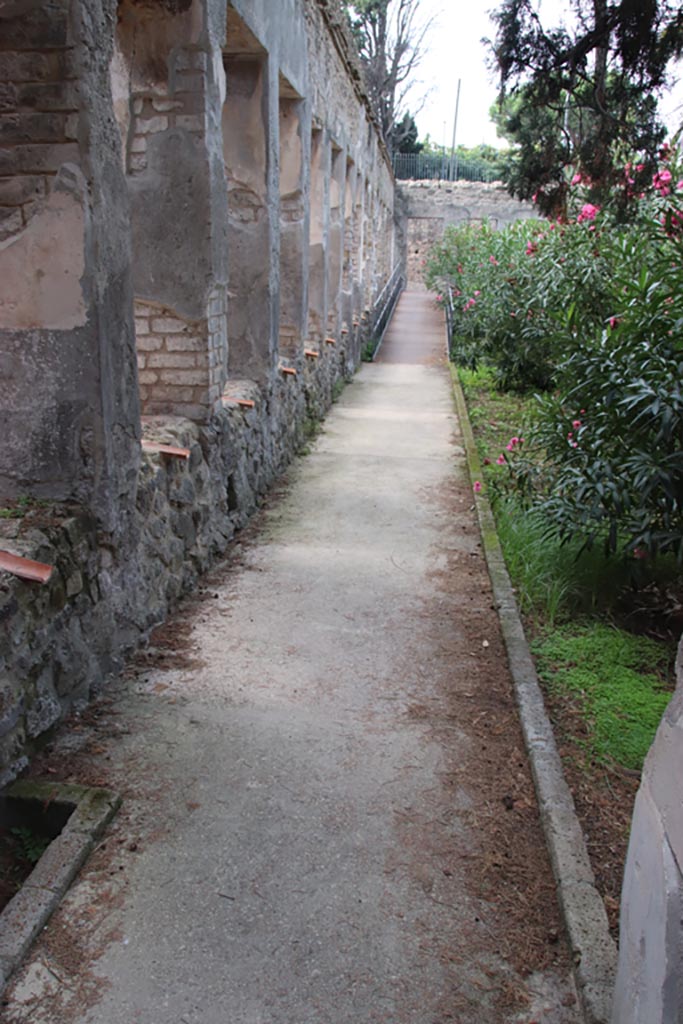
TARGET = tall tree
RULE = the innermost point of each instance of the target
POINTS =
(390, 36)
(586, 97)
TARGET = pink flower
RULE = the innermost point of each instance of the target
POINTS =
(510, 447)
(614, 322)
(493, 261)
(576, 424)
(582, 411)
(640, 553)
(679, 186)
(501, 459)
(574, 444)
(577, 179)
(477, 293)
(661, 182)
(588, 212)
(569, 436)
(640, 167)
(476, 486)
(439, 298)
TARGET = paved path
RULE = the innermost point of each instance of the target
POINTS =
(305, 758)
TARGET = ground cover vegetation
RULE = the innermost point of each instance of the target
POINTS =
(568, 338)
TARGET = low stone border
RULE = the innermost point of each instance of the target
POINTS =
(28, 912)
(592, 947)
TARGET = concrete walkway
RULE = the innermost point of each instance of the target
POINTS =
(299, 839)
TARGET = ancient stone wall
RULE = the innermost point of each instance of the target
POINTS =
(427, 207)
(649, 987)
(196, 218)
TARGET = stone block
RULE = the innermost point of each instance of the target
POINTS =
(190, 122)
(44, 710)
(165, 106)
(31, 127)
(17, 190)
(151, 125)
(33, 67)
(11, 222)
(41, 27)
(46, 96)
(36, 159)
(175, 360)
(183, 378)
(148, 342)
(191, 60)
(137, 162)
(147, 377)
(185, 343)
(168, 325)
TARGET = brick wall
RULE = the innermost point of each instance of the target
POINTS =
(177, 103)
(38, 110)
(180, 361)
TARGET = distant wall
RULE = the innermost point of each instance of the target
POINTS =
(427, 207)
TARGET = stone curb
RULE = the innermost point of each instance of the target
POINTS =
(593, 949)
(29, 910)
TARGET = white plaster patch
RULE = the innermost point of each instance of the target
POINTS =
(41, 269)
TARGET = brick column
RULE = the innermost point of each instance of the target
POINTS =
(179, 216)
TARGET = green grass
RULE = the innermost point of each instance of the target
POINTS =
(17, 510)
(618, 681)
(553, 581)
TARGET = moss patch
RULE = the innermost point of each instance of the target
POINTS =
(620, 681)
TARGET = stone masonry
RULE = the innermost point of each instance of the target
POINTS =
(188, 189)
(425, 208)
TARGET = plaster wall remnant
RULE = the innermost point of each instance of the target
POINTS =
(649, 988)
(426, 208)
(168, 234)
(69, 416)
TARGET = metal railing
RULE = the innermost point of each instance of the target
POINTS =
(384, 306)
(449, 319)
(430, 166)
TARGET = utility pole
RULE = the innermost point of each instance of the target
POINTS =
(453, 166)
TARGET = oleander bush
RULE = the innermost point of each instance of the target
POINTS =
(589, 315)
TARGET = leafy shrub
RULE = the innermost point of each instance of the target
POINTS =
(590, 314)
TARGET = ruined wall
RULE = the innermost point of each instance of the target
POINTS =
(69, 413)
(649, 988)
(193, 192)
(427, 207)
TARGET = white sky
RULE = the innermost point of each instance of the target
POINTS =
(454, 50)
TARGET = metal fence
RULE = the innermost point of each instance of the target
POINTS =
(384, 307)
(429, 166)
